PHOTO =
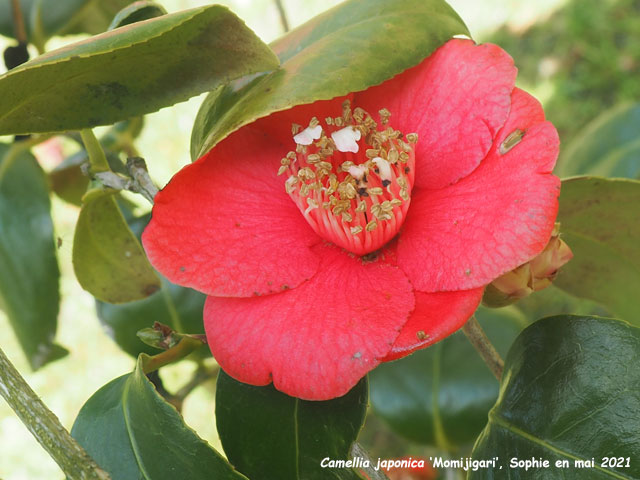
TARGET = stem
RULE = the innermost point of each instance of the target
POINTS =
(142, 182)
(283, 16)
(97, 158)
(201, 375)
(18, 22)
(177, 399)
(372, 473)
(484, 347)
(185, 346)
(45, 426)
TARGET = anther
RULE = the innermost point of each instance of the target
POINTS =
(371, 226)
(350, 179)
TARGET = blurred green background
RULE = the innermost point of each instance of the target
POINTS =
(578, 57)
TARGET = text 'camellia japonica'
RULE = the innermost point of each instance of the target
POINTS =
(334, 236)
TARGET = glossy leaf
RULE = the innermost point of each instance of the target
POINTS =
(133, 433)
(346, 49)
(609, 146)
(151, 65)
(178, 307)
(441, 395)
(137, 12)
(271, 436)
(108, 259)
(600, 221)
(29, 272)
(569, 392)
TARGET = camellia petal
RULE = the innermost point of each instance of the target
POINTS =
(425, 221)
(456, 101)
(315, 341)
(436, 316)
(224, 225)
(497, 218)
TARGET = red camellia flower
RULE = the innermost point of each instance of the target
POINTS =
(369, 231)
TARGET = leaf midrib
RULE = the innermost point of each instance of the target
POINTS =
(504, 423)
(296, 439)
(438, 428)
(127, 421)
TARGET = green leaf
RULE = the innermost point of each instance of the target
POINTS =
(96, 17)
(346, 49)
(553, 301)
(107, 257)
(137, 12)
(609, 146)
(133, 433)
(441, 395)
(600, 221)
(67, 180)
(569, 392)
(151, 65)
(178, 307)
(271, 436)
(46, 18)
(29, 272)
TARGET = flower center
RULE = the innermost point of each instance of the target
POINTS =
(351, 179)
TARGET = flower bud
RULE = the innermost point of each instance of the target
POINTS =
(537, 274)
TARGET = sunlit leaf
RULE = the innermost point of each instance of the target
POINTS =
(130, 71)
(108, 259)
(346, 49)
